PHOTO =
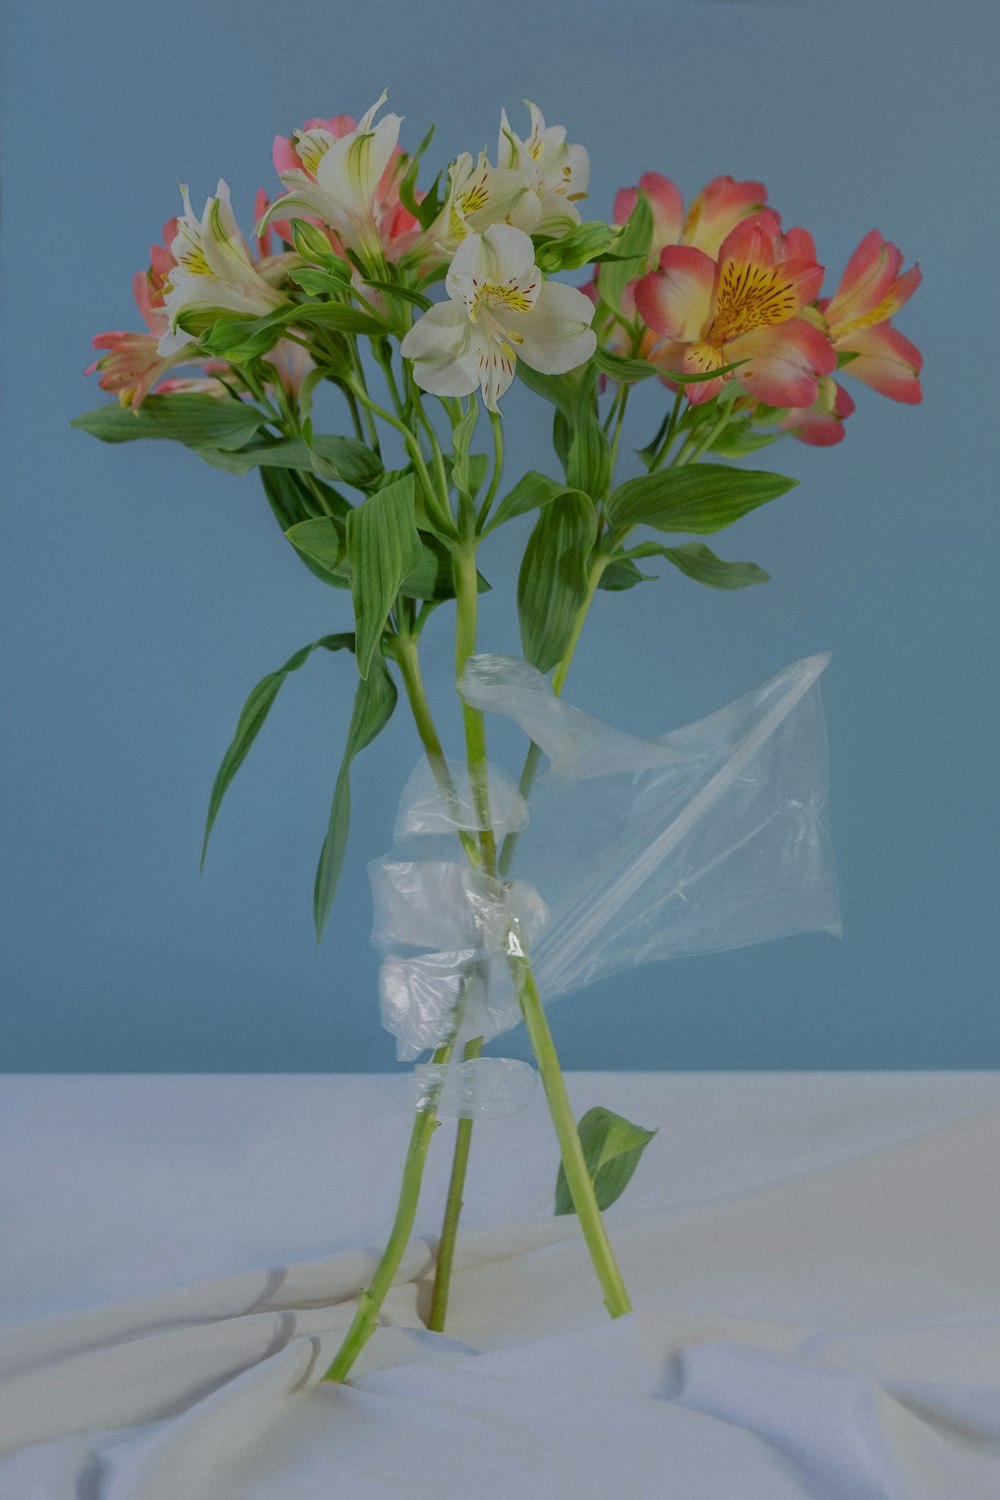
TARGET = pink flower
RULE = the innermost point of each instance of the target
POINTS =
(743, 306)
(871, 290)
(131, 364)
(716, 210)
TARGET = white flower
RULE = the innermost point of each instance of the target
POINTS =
(500, 309)
(341, 180)
(214, 273)
(479, 195)
(557, 174)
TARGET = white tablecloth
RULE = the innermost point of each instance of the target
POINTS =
(813, 1260)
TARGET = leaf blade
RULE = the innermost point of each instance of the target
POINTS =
(612, 1149)
(374, 701)
(251, 719)
(552, 583)
(697, 498)
(383, 547)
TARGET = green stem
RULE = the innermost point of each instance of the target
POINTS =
(578, 1178)
(372, 1297)
(442, 514)
(467, 608)
(484, 509)
(616, 1298)
(452, 1210)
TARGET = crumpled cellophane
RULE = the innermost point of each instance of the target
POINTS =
(709, 837)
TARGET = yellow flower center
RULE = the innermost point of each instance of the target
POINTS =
(750, 296)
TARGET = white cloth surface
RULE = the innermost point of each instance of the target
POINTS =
(812, 1257)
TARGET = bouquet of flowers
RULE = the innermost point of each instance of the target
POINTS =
(419, 306)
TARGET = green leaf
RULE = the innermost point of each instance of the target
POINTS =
(343, 458)
(683, 377)
(624, 371)
(742, 438)
(244, 339)
(190, 418)
(532, 492)
(700, 563)
(405, 293)
(374, 701)
(699, 498)
(633, 248)
(845, 356)
(426, 210)
(434, 576)
(383, 547)
(322, 541)
(588, 461)
(317, 282)
(621, 573)
(552, 584)
(255, 710)
(461, 438)
(612, 1148)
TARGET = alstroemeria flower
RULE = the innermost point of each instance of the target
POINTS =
(870, 292)
(131, 363)
(479, 195)
(500, 309)
(744, 306)
(714, 212)
(213, 272)
(338, 179)
(557, 174)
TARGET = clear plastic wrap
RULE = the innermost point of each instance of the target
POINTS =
(478, 1088)
(710, 837)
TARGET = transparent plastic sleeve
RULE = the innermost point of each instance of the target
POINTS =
(710, 837)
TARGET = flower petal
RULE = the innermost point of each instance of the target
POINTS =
(555, 336)
(676, 299)
(786, 361)
(718, 207)
(886, 361)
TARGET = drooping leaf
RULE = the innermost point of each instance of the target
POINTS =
(532, 492)
(374, 701)
(189, 417)
(252, 715)
(552, 583)
(700, 563)
(612, 1148)
(383, 547)
(699, 498)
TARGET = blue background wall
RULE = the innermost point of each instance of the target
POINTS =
(146, 593)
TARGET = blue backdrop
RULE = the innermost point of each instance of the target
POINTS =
(146, 593)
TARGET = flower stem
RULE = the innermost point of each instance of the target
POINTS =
(424, 1125)
(578, 1178)
(616, 1298)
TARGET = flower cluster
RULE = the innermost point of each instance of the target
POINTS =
(724, 285)
(719, 298)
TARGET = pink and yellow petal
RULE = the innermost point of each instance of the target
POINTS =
(786, 361)
(718, 207)
(675, 300)
(885, 361)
